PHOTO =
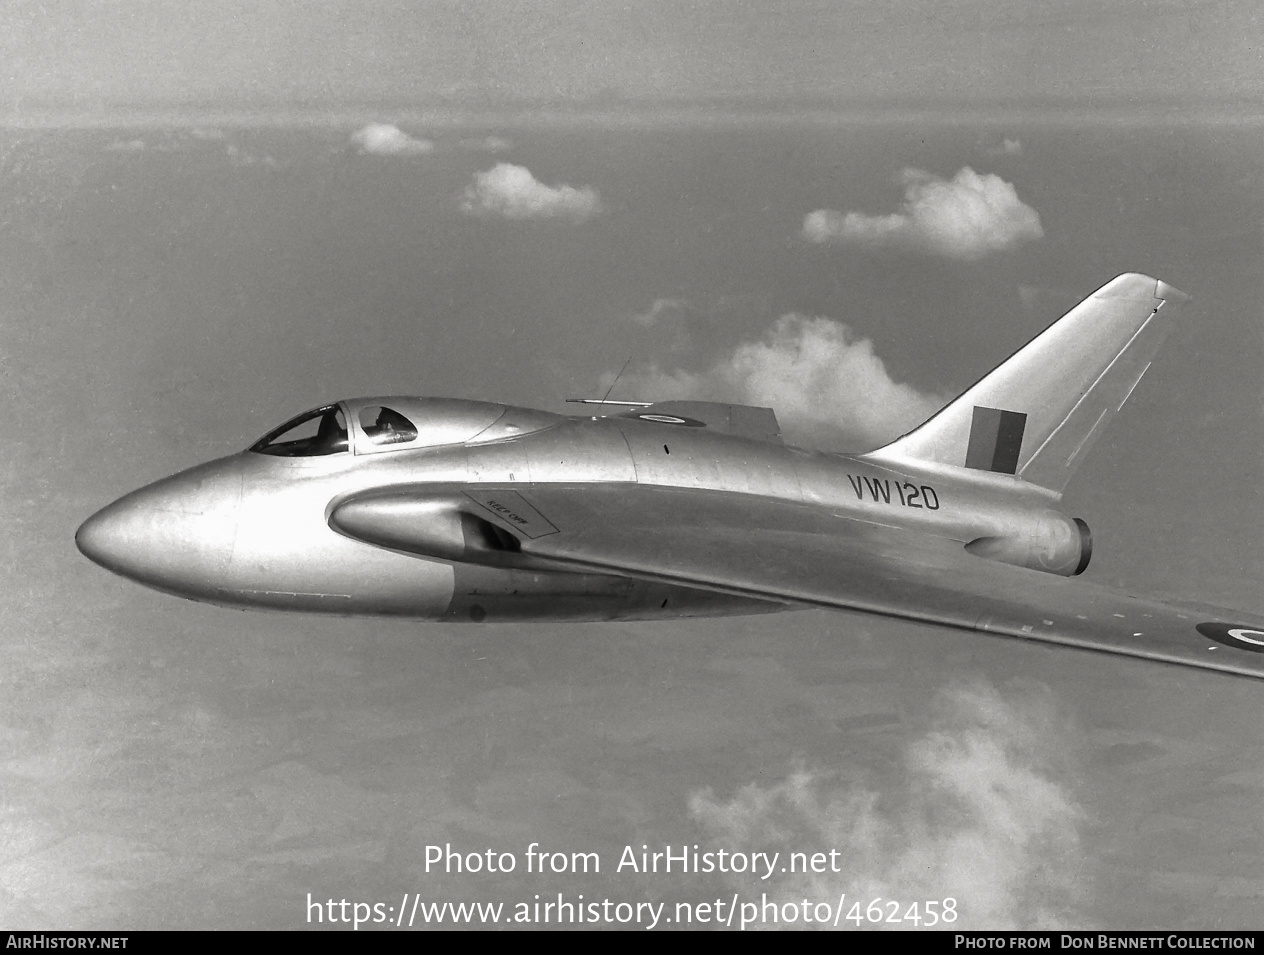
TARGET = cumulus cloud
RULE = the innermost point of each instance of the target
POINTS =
(978, 815)
(966, 217)
(511, 191)
(828, 387)
(383, 139)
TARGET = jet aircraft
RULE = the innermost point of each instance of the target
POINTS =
(447, 509)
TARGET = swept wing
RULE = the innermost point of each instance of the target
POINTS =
(755, 547)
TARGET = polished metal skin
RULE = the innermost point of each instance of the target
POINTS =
(447, 509)
(252, 530)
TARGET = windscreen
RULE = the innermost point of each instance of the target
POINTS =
(323, 431)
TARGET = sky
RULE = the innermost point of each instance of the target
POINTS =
(95, 57)
(172, 289)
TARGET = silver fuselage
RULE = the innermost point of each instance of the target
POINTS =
(253, 530)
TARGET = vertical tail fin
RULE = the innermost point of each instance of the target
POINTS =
(1038, 413)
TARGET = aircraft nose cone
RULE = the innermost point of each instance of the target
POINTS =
(109, 538)
(176, 535)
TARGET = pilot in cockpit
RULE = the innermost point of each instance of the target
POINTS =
(391, 427)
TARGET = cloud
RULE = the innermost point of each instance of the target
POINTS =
(166, 142)
(827, 386)
(966, 217)
(1007, 147)
(978, 815)
(244, 157)
(662, 309)
(383, 139)
(199, 140)
(511, 191)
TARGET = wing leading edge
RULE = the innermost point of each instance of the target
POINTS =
(756, 548)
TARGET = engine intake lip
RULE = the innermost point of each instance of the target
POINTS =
(1086, 546)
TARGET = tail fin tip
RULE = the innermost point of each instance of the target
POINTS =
(1136, 285)
(1170, 293)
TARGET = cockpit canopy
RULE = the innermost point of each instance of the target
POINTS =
(373, 425)
(382, 426)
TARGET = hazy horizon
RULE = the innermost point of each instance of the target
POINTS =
(379, 51)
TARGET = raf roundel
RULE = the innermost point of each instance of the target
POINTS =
(1231, 635)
